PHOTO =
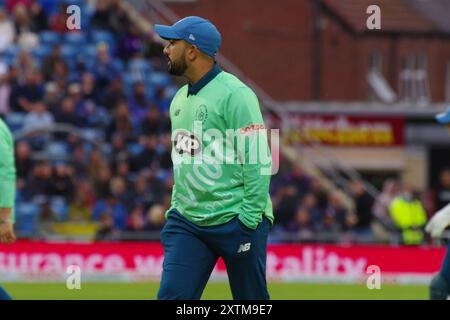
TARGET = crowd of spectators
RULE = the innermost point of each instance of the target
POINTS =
(111, 163)
(103, 84)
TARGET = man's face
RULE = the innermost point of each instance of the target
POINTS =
(175, 52)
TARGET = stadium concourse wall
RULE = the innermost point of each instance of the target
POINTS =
(142, 261)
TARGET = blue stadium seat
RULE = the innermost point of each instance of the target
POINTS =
(14, 120)
(93, 134)
(50, 37)
(139, 69)
(57, 150)
(158, 79)
(69, 52)
(99, 36)
(59, 207)
(135, 148)
(118, 64)
(41, 51)
(10, 54)
(90, 51)
(150, 91)
(50, 6)
(75, 38)
(26, 218)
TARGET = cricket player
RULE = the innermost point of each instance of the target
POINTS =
(440, 285)
(7, 191)
(219, 208)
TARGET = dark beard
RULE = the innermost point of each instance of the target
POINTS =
(177, 68)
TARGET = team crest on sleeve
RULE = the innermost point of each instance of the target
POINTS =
(202, 113)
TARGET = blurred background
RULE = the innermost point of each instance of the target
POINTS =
(362, 163)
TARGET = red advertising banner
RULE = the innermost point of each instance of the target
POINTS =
(342, 130)
(284, 262)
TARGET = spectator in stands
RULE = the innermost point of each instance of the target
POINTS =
(119, 19)
(155, 218)
(138, 103)
(7, 31)
(383, 225)
(162, 100)
(119, 149)
(38, 16)
(130, 43)
(102, 16)
(142, 192)
(48, 63)
(5, 88)
(114, 93)
(409, 216)
(146, 158)
(443, 189)
(39, 185)
(23, 160)
(106, 230)
(60, 72)
(300, 179)
(27, 94)
(52, 97)
(46, 219)
(67, 113)
(112, 206)
(136, 219)
(79, 161)
(80, 208)
(287, 205)
(309, 202)
(25, 31)
(58, 22)
(363, 206)
(81, 107)
(151, 124)
(101, 180)
(62, 182)
(118, 188)
(104, 69)
(88, 90)
(335, 218)
(302, 224)
(24, 164)
(164, 152)
(122, 170)
(39, 118)
(121, 122)
(12, 4)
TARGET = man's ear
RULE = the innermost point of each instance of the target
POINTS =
(192, 53)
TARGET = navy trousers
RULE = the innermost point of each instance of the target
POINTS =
(191, 252)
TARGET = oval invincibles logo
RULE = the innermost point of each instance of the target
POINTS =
(186, 142)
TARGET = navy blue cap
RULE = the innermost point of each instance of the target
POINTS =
(443, 117)
(194, 30)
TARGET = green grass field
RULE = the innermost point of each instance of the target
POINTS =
(215, 291)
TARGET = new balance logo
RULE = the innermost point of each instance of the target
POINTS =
(244, 247)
